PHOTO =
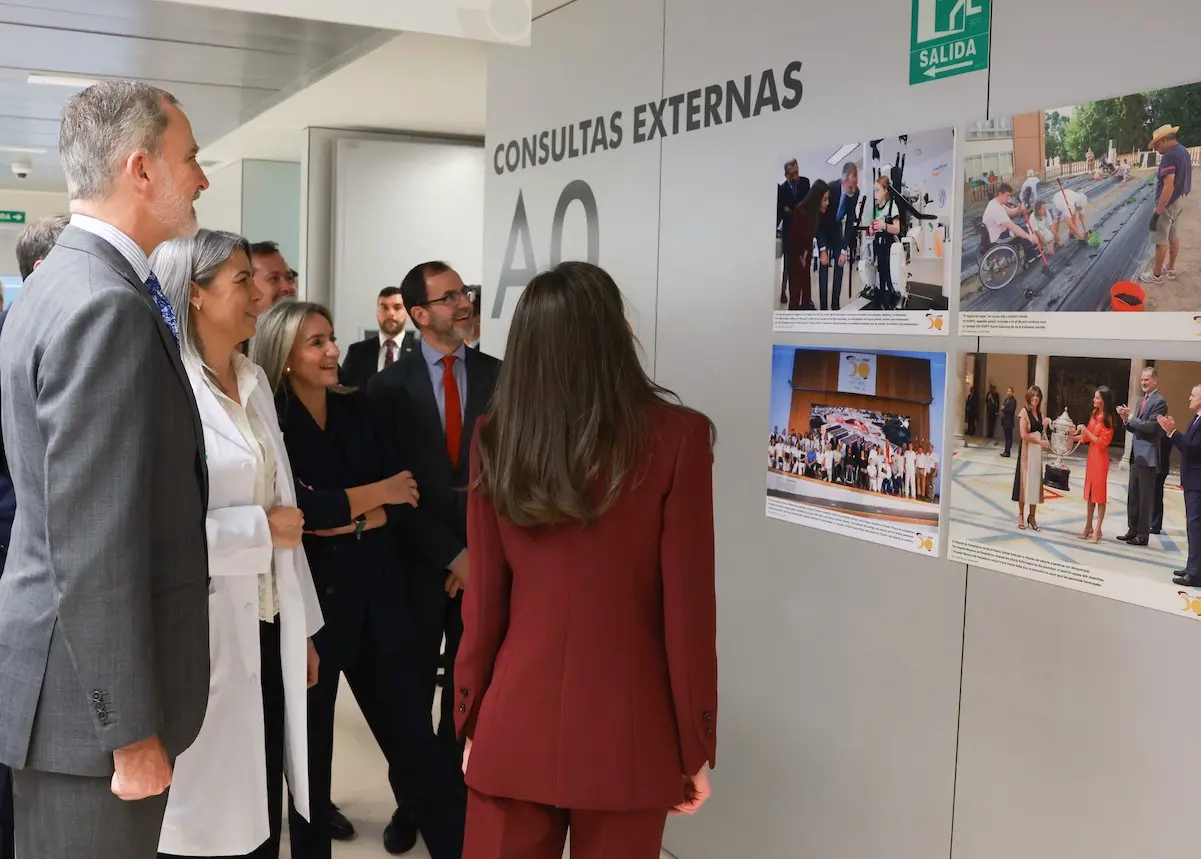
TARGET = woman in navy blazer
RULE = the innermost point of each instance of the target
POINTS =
(587, 675)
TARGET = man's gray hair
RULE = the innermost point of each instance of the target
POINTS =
(181, 262)
(849, 168)
(791, 162)
(1154, 373)
(104, 125)
(37, 239)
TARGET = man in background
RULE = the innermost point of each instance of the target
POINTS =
(1188, 442)
(1009, 410)
(1143, 425)
(368, 357)
(992, 407)
(838, 228)
(788, 196)
(272, 275)
(33, 245)
(1173, 183)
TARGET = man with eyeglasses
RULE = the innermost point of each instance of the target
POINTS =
(429, 401)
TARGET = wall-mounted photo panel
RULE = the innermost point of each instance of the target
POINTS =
(1081, 472)
(1061, 236)
(863, 235)
(854, 443)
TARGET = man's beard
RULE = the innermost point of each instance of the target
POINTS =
(174, 210)
(391, 328)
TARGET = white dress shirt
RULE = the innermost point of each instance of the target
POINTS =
(128, 248)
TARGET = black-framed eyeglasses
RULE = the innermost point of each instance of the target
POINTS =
(451, 298)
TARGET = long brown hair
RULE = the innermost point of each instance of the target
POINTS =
(571, 413)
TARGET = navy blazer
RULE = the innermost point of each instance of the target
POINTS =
(362, 359)
(356, 577)
(1188, 442)
(403, 400)
(837, 236)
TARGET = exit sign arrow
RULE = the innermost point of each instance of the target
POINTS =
(935, 71)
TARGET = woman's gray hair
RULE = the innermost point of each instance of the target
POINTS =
(276, 334)
(178, 264)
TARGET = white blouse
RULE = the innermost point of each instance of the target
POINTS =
(258, 440)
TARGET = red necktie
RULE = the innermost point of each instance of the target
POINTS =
(389, 352)
(454, 414)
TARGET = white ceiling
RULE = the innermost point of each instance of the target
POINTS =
(506, 21)
(222, 65)
(415, 82)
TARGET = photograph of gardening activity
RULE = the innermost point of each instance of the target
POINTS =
(1085, 207)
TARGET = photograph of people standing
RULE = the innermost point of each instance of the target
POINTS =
(1098, 435)
(1188, 443)
(1008, 415)
(1143, 425)
(789, 195)
(799, 245)
(1028, 490)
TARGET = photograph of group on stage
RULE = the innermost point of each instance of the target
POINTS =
(862, 226)
(1085, 207)
(1080, 471)
(854, 443)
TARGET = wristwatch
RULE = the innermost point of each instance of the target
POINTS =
(360, 522)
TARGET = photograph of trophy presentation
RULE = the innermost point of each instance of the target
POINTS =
(1064, 470)
(854, 443)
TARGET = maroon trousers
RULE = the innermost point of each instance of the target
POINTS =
(512, 829)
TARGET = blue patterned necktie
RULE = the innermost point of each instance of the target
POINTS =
(164, 306)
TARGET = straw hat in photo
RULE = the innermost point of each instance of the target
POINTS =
(1162, 132)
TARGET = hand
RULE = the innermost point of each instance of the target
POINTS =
(457, 580)
(1124, 412)
(140, 771)
(824, 259)
(1044, 444)
(401, 489)
(842, 259)
(466, 755)
(788, 210)
(1167, 423)
(696, 791)
(877, 225)
(311, 665)
(1154, 221)
(287, 526)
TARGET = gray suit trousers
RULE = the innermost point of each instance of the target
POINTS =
(78, 817)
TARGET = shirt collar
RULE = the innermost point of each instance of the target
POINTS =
(127, 247)
(434, 358)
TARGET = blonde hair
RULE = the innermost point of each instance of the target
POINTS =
(276, 334)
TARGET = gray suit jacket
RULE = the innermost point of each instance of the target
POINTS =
(104, 600)
(1145, 429)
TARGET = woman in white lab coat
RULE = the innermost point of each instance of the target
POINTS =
(225, 798)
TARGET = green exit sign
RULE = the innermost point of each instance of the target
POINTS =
(949, 38)
(12, 217)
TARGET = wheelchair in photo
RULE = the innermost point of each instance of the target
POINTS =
(1001, 261)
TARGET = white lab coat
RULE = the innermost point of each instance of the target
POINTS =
(217, 803)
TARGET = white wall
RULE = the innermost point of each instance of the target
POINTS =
(271, 205)
(871, 704)
(398, 203)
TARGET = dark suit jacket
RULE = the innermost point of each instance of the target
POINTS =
(587, 673)
(1008, 411)
(403, 401)
(837, 236)
(104, 628)
(785, 196)
(362, 359)
(1145, 448)
(8, 497)
(1187, 440)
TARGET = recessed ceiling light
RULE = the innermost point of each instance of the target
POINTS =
(843, 151)
(60, 80)
(24, 150)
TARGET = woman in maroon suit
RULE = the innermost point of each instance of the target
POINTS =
(799, 245)
(587, 673)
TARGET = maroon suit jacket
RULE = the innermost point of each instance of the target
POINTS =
(587, 673)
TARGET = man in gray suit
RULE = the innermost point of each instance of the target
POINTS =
(1146, 433)
(104, 666)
